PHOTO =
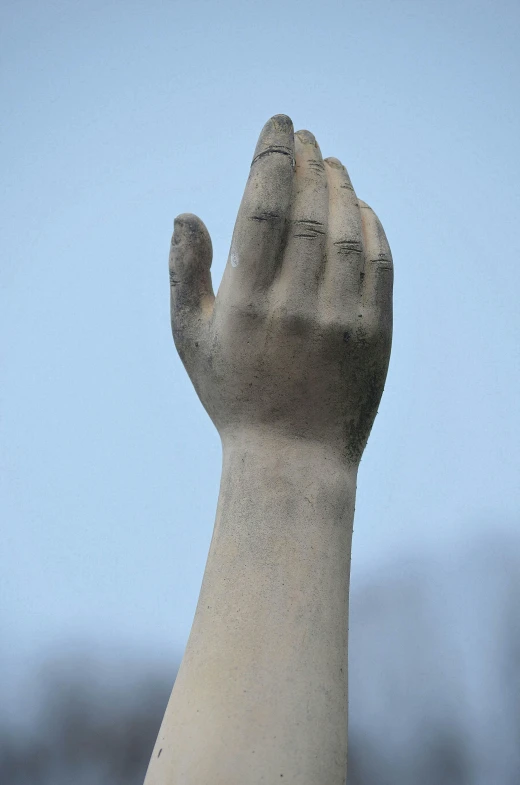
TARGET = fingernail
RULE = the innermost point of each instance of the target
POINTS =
(306, 137)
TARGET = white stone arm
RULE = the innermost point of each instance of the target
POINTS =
(289, 360)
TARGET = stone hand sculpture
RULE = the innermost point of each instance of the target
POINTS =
(289, 360)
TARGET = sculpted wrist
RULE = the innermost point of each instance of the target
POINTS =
(287, 450)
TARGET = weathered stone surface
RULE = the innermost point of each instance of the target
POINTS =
(289, 360)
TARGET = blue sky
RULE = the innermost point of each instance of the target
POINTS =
(119, 115)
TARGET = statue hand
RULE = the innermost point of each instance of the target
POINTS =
(297, 340)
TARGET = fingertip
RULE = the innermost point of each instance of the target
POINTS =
(190, 228)
(282, 122)
(338, 175)
(277, 136)
(187, 226)
(191, 241)
(306, 137)
(334, 162)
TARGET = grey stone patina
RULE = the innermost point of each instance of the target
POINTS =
(289, 360)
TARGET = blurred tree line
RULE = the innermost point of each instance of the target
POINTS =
(434, 690)
(85, 732)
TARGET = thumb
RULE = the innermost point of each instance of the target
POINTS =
(191, 291)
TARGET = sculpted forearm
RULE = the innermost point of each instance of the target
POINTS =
(263, 683)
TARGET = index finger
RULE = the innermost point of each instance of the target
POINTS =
(261, 217)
